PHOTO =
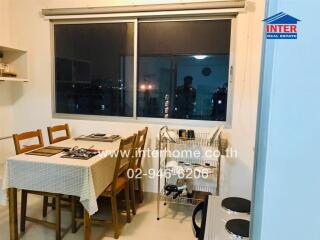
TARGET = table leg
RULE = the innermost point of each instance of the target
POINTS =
(13, 213)
(87, 225)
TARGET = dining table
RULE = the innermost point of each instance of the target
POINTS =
(85, 179)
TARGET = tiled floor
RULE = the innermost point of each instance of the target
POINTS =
(144, 226)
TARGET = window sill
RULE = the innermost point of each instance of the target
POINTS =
(159, 121)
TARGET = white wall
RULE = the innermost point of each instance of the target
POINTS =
(32, 101)
(6, 103)
(287, 178)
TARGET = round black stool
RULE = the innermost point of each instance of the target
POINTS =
(238, 228)
(236, 204)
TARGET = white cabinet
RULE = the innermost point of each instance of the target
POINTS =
(18, 63)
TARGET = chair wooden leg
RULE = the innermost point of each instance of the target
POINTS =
(53, 203)
(140, 190)
(24, 201)
(13, 213)
(87, 225)
(115, 216)
(58, 217)
(127, 196)
(45, 207)
(74, 214)
(132, 196)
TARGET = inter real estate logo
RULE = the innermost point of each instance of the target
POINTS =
(281, 26)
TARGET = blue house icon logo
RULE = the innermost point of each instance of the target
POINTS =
(281, 26)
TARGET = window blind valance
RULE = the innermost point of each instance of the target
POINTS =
(218, 7)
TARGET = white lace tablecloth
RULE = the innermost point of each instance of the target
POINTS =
(82, 178)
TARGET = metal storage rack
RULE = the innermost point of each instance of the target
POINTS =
(201, 140)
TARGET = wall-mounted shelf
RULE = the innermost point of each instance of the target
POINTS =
(18, 61)
(14, 79)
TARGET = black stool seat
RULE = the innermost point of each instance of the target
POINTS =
(236, 204)
(238, 227)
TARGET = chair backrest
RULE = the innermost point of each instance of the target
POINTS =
(124, 156)
(58, 128)
(17, 138)
(139, 147)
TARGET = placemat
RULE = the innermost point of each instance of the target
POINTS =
(47, 151)
(99, 138)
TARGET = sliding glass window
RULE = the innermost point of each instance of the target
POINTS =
(182, 69)
(94, 68)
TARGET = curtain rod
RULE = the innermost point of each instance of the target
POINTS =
(145, 8)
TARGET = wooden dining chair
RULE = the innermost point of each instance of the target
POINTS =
(18, 138)
(119, 183)
(52, 139)
(58, 128)
(136, 166)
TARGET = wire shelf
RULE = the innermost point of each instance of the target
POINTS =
(202, 139)
(208, 184)
(201, 188)
(195, 162)
(198, 175)
(181, 200)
